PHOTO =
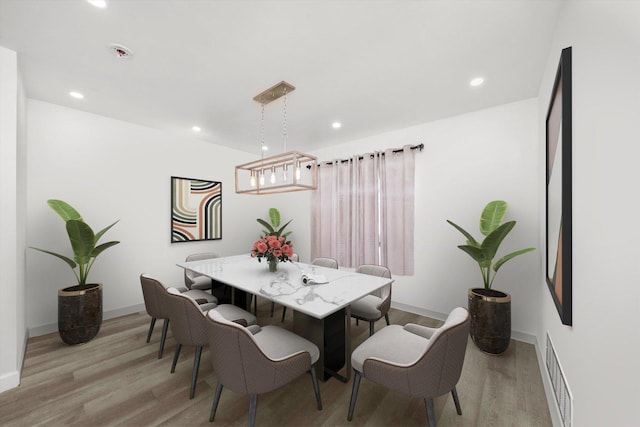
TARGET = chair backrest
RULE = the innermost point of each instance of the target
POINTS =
(188, 324)
(439, 368)
(155, 297)
(240, 364)
(385, 292)
(188, 275)
(325, 262)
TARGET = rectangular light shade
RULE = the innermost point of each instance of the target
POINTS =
(294, 171)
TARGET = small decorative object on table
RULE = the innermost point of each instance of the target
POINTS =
(273, 245)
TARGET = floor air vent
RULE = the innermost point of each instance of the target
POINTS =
(564, 400)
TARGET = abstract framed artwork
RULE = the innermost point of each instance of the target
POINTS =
(558, 190)
(196, 210)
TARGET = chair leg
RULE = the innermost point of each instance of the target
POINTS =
(370, 328)
(284, 313)
(454, 393)
(163, 339)
(386, 317)
(273, 305)
(316, 389)
(431, 413)
(216, 400)
(153, 323)
(196, 368)
(175, 358)
(354, 394)
(253, 408)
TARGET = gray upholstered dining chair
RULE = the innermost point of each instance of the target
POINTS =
(189, 327)
(322, 262)
(193, 280)
(155, 302)
(376, 305)
(325, 262)
(256, 360)
(415, 360)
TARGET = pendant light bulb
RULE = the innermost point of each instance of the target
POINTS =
(297, 169)
(272, 179)
(252, 180)
(284, 172)
(261, 178)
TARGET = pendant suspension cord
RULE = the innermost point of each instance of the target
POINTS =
(262, 133)
(284, 123)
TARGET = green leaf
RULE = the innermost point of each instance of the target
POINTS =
(470, 240)
(266, 225)
(64, 209)
(492, 242)
(100, 248)
(279, 232)
(82, 239)
(506, 258)
(104, 230)
(476, 253)
(274, 216)
(69, 261)
(492, 216)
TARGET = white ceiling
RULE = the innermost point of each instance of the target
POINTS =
(373, 65)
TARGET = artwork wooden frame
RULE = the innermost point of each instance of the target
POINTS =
(196, 210)
(558, 190)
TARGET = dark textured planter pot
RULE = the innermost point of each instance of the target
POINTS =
(79, 313)
(490, 319)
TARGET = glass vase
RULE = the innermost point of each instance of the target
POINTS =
(273, 265)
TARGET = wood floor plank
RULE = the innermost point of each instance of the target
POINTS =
(117, 380)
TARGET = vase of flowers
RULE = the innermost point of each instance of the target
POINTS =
(273, 246)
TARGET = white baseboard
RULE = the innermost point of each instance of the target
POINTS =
(9, 380)
(53, 327)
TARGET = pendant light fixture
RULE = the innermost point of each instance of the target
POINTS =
(287, 172)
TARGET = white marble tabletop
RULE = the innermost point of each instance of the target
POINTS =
(286, 286)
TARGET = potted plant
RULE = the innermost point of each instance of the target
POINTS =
(273, 245)
(490, 309)
(79, 306)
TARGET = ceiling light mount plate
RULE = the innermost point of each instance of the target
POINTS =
(274, 92)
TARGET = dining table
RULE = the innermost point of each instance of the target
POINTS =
(319, 297)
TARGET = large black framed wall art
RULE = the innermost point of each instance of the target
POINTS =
(558, 190)
(196, 210)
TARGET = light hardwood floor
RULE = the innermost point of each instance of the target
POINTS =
(116, 379)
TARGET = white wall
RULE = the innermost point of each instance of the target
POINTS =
(109, 170)
(12, 230)
(467, 161)
(600, 353)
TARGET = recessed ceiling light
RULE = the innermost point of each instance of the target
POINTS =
(120, 51)
(336, 125)
(265, 148)
(98, 3)
(76, 95)
(196, 129)
(477, 81)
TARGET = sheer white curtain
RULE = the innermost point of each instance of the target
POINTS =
(363, 211)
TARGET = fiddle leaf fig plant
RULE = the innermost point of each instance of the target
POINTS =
(495, 231)
(84, 242)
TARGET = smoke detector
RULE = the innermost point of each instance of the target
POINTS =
(120, 51)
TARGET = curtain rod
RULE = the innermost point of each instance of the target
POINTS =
(395, 150)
